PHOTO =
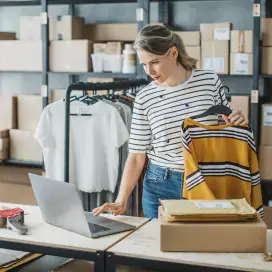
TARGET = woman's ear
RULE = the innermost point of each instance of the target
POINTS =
(174, 52)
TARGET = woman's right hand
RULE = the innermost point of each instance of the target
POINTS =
(116, 208)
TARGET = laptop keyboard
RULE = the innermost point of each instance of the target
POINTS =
(94, 228)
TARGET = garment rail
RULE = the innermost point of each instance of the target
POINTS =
(111, 87)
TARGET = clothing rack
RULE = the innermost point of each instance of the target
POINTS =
(81, 86)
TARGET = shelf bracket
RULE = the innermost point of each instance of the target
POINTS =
(256, 10)
(44, 18)
(255, 96)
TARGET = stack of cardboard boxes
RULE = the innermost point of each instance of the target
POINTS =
(267, 46)
(215, 40)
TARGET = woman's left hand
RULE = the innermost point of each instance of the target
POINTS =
(236, 117)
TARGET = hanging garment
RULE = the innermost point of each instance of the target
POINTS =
(220, 163)
(94, 144)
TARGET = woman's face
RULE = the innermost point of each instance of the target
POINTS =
(159, 67)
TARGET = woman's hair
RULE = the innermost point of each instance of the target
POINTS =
(157, 39)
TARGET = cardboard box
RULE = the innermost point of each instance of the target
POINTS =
(114, 47)
(70, 56)
(268, 216)
(241, 41)
(194, 52)
(189, 38)
(17, 174)
(111, 32)
(4, 144)
(24, 147)
(29, 111)
(240, 102)
(217, 31)
(265, 158)
(99, 48)
(266, 125)
(267, 31)
(267, 60)
(247, 236)
(241, 64)
(21, 56)
(8, 112)
(64, 27)
(4, 133)
(7, 36)
(215, 56)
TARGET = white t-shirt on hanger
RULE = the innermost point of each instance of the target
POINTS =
(94, 144)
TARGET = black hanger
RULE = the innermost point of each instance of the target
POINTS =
(218, 109)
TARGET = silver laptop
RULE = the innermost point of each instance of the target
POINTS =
(61, 206)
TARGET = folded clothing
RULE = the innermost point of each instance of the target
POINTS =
(207, 210)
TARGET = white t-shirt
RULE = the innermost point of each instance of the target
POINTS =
(94, 143)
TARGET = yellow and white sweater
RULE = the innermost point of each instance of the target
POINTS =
(220, 163)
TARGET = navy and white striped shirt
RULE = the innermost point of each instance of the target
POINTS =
(159, 112)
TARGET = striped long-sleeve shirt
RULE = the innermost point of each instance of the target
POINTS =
(159, 112)
(220, 163)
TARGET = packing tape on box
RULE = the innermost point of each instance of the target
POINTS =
(241, 41)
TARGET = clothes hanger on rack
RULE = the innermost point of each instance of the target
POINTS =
(217, 109)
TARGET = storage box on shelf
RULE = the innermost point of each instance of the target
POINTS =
(216, 31)
(7, 36)
(194, 52)
(4, 145)
(267, 46)
(8, 112)
(189, 38)
(240, 102)
(64, 27)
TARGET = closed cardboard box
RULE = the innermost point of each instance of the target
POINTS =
(265, 158)
(268, 217)
(194, 52)
(241, 64)
(215, 56)
(111, 32)
(29, 111)
(267, 60)
(241, 41)
(266, 125)
(267, 31)
(4, 144)
(189, 38)
(70, 56)
(60, 28)
(21, 56)
(4, 154)
(24, 147)
(8, 112)
(249, 236)
(7, 36)
(240, 102)
(217, 31)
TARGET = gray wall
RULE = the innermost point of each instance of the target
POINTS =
(183, 16)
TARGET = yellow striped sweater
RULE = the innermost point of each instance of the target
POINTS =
(220, 163)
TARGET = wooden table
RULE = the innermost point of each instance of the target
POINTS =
(47, 239)
(142, 249)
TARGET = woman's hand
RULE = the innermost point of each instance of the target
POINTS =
(116, 208)
(236, 117)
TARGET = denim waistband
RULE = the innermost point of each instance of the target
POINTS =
(163, 171)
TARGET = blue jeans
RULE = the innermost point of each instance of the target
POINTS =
(160, 183)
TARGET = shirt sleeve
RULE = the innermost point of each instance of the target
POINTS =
(256, 191)
(118, 129)
(43, 132)
(140, 131)
(219, 94)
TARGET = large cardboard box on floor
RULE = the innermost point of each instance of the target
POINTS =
(64, 27)
(266, 125)
(267, 31)
(267, 60)
(7, 36)
(111, 32)
(217, 31)
(189, 38)
(241, 64)
(215, 56)
(29, 111)
(241, 41)
(249, 236)
(21, 55)
(240, 102)
(8, 112)
(194, 52)
(70, 56)
(265, 158)
(24, 147)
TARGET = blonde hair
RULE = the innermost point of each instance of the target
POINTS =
(157, 39)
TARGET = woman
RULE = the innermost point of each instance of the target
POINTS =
(178, 90)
